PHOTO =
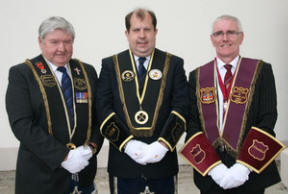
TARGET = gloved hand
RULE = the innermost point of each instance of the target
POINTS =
(154, 153)
(135, 149)
(235, 176)
(77, 160)
(217, 173)
(85, 151)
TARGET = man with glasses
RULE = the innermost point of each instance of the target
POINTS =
(230, 138)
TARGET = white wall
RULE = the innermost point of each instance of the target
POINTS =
(184, 27)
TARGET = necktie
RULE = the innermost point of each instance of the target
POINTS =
(227, 83)
(141, 72)
(227, 79)
(66, 87)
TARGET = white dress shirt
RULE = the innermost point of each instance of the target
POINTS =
(222, 71)
(145, 64)
(58, 74)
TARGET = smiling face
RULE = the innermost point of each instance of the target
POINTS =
(57, 47)
(141, 35)
(226, 39)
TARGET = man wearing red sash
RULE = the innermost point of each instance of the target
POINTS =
(50, 102)
(231, 143)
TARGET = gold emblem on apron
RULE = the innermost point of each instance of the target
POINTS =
(207, 95)
(141, 117)
(239, 95)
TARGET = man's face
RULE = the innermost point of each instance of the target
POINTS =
(57, 47)
(141, 35)
(226, 39)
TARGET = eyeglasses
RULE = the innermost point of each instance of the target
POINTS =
(229, 33)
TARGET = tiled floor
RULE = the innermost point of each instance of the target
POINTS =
(185, 183)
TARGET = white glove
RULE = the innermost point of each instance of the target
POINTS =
(154, 153)
(85, 151)
(217, 172)
(135, 149)
(76, 160)
(235, 176)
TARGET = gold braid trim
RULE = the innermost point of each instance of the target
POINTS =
(161, 93)
(229, 149)
(159, 100)
(199, 101)
(44, 95)
(248, 104)
(89, 102)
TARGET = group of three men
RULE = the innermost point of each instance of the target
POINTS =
(142, 103)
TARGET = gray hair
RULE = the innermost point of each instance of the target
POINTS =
(55, 23)
(228, 17)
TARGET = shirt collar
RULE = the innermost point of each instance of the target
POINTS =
(234, 62)
(54, 67)
(136, 58)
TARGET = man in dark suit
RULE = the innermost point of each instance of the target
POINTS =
(50, 102)
(142, 102)
(230, 139)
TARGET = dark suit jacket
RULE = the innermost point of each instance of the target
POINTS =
(175, 98)
(262, 114)
(40, 153)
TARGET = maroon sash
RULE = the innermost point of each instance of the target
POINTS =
(208, 101)
(240, 96)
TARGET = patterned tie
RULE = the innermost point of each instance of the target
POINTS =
(227, 79)
(141, 72)
(67, 92)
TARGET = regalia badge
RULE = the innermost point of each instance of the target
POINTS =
(77, 70)
(128, 76)
(48, 80)
(113, 132)
(258, 150)
(198, 154)
(155, 74)
(239, 95)
(207, 95)
(176, 131)
(141, 117)
(41, 67)
(79, 84)
(71, 146)
(81, 97)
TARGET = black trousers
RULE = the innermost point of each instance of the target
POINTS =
(139, 185)
(233, 191)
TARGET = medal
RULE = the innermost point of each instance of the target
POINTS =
(71, 146)
(141, 117)
(41, 67)
(155, 74)
(128, 76)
